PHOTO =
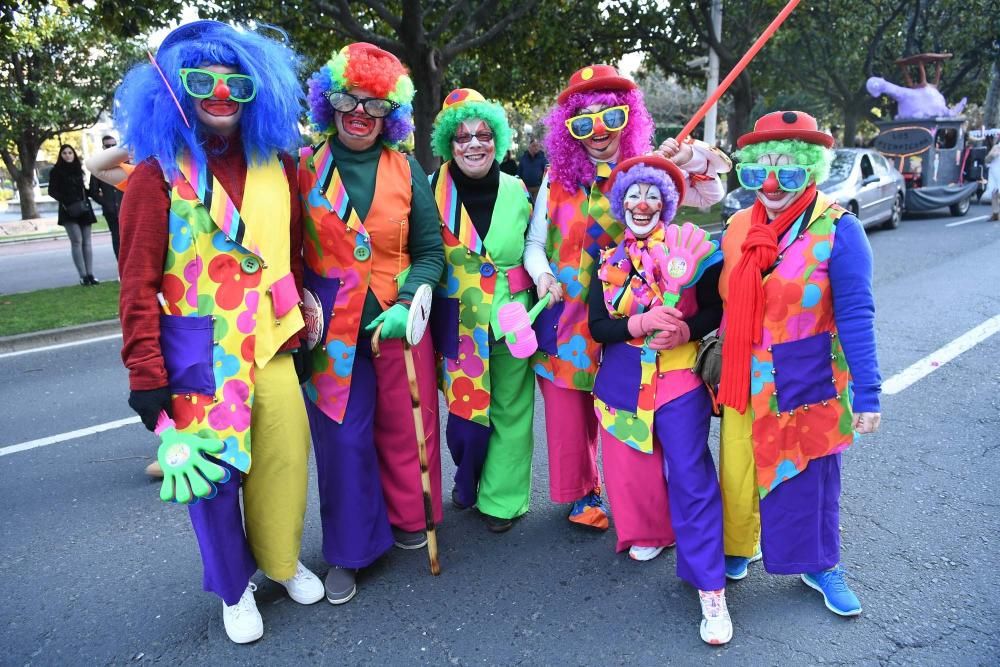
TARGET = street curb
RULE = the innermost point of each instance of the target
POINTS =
(31, 340)
(43, 236)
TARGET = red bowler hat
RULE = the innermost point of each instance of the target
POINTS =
(786, 125)
(654, 161)
(595, 77)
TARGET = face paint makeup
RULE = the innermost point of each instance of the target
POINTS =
(774, 198)
(603, 143)
(218, 111)
(643, 205)
(356, 129)
(473, 154)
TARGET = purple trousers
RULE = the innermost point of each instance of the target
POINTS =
(353, 511)
(800, 520)
(682, 427)
(468, 443)
(225, 552)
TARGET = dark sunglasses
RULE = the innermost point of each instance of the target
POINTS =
(483, 137)
(376, 107)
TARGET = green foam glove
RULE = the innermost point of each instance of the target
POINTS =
(393, 321)
(187, 474)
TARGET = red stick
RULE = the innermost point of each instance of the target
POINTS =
(737, 70)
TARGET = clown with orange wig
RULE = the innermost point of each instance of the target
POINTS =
(599, 120)
(371, 239)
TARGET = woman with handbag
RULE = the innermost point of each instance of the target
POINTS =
(75, 213)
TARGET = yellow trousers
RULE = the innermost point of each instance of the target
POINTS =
(738, 479)
(274, 491)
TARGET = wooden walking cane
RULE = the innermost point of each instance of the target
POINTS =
(416, 325)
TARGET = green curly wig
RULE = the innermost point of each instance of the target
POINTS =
(805, 154)
(448, 120)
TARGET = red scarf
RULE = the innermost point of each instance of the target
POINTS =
(745, 315)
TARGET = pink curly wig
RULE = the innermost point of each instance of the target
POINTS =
(570, 166)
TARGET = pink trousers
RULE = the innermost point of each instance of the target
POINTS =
(571, 431)
(395, 435)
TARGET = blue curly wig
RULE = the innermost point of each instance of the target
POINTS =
(151, 125)
(641, 173)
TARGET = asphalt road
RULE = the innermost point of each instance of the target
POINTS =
(96, 570)
(44, 263)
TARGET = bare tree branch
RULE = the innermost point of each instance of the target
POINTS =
(460, 8)
(341, 13)
(462, 42)
(384, 13)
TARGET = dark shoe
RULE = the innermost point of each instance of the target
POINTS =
(407, 540)
(91, 280)
(85, 282)
(340, 585)
(495, 524)
(458, 504)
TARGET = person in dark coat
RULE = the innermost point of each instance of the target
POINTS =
(532, 167)
(108, 196)
(509, 164)
(75, 213)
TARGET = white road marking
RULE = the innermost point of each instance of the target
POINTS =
(59, 346)
(965, 222)
(71, 435)
(940, 357)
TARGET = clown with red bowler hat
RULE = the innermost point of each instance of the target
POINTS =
(598, 121)
(800, 378)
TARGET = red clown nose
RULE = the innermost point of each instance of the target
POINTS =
(770, 183)
(599, 127)
(221, 91)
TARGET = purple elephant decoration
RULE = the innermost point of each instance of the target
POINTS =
(922, 102)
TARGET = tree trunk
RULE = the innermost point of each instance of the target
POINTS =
(739, 117)
(850, 127)
(26, 189)
(426, 104)
(991, 110)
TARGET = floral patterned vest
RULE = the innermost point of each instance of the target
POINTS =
(799, 385)
(345, 257)
(231, 297)
(481, 275)
(580, 227)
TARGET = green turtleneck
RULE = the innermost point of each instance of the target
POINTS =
(358, 169)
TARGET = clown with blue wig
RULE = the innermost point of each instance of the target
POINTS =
(653, 297)
(211, 276)
(371, 239)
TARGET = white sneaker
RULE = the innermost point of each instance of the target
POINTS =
(636, 552)
(716, 626)
(242, 620)
(304, 587)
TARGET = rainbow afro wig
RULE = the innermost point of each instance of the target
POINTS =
(802, 153)
(464, 104)
(363, 65)
(151, 124)
(569, 164)
(642, 173)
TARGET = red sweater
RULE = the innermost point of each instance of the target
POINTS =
(144, 218)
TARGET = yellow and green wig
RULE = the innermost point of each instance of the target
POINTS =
(463, 104)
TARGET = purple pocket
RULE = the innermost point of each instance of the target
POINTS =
(618, 378)
(803, 374)
(546, 328)
(186, 344)
(444, 326)
(325, 290)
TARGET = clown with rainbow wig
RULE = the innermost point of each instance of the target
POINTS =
(800, 377)
(489, 391)
(211, 276)
(371, 239)
(598, 121)
(652, 299)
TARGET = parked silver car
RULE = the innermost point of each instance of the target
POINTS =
(860, 180)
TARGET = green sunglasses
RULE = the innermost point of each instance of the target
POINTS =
(202, 83)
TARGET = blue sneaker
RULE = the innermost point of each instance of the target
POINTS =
(837, 595)
(590, 511)
(737, 566)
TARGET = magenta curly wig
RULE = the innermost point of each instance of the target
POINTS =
(570, 165)
(640, 173)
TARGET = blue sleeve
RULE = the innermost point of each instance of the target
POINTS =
(854, 310)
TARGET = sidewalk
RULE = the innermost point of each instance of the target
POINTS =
(14, 231)
(36, 339)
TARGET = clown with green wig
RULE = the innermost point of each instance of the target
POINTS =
(371, 239)
(800, 377)
(489, 391)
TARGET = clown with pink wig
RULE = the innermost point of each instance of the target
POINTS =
(598, 121)
(371, 239)
(652, 298)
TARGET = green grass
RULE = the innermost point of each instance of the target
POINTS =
(59, 307)
(711, 217)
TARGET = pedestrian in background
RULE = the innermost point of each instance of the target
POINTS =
(532, 167)
(108, 196)
(993, 179)
(509, 164)
(75, 213)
